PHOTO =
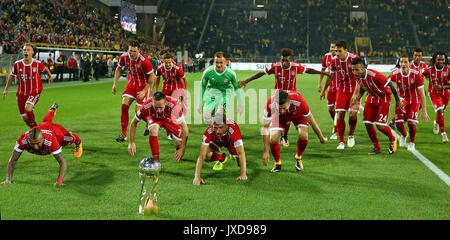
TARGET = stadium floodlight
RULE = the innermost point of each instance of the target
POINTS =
(260, 6)
(355, 6)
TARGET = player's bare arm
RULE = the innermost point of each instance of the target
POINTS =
(11, 165)
(423, 102)
(356, 97)
(62, 169)
(242, 163)
(117, 74)
(312, 122)
(399, 103)
(8, 83)
(314, 71)
(132, 144)
(49, 74)
(198, 167)
(255, 76)
(179, 153)
(265, 133)
(327, 83)
(319, 83)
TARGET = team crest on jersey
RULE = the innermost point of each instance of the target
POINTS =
(225, 80)
(34, 69)
(445, 74)
(138, 66)
(412, 81)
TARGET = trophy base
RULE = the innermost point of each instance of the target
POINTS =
(150, 207)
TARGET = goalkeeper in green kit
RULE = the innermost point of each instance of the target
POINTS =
(219, 83)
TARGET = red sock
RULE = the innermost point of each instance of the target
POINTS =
(440, 120)
(412, 132)
(352, 125)
(387, 131)
(48, 118)
(31, 121)
(401, 128)
(341, 129)
(373, 136)
(275, 149)
(76, 139)
(301, 146)
(124, 119)
(286, 129)
(154, 146)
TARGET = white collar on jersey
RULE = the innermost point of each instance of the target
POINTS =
(290, 65)
(346, 58)
(401, 72)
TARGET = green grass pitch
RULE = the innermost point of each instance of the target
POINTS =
(104, 183)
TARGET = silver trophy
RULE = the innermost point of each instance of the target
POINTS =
(149, 167)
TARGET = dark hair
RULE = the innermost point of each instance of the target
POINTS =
(162, 52)
(159, 96)
(167, 55)
(418, 50)
(219, 55)
(134, 43)
(342, 44)
(286, 52)
(282, 97)
(405, 56)
(34, 133)
(219, 118)
(357, 61)
(433, 58)
(35, 50)
(333, 42)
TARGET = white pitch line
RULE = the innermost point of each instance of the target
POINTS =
(444, 177)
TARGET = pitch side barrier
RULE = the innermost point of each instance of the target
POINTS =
(317, 66)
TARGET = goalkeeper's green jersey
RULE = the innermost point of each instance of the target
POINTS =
(225, 82)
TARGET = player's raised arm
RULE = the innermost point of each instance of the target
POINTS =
(253, 77)
(11, 165)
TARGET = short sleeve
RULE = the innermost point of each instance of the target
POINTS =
(300, 69)
(147, 66)
(270, 69)
(41, 67)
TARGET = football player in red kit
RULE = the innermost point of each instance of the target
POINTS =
(28, 72)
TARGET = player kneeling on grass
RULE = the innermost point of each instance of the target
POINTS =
(44, 139)
(282, 108)
(378, 102)
(222, 132)
(161, 111)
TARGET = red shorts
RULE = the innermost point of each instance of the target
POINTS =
(283, 122)
(173, 130)
(331, 98)
(440, 102)
(216, 148)
(64, 137)
(179, 94)
(27, 99)
(377, 113)
(343, 102)
(410, 112)
(131, 91)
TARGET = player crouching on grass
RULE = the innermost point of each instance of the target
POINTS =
(282, 108)
(378, 102)
(161, 111)
(44, 139)
(222, 132)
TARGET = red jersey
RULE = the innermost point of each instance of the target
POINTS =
(72, 63)
(376, 85)
(438, 77)
(171, 77)
(285, 79)
(230, 139)
(172, 111)
(297, 106)
(51, 144)
(326, 63)
(346, 81)
(29, 77)
(421, 68)
(408, 85)
(138, 69)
